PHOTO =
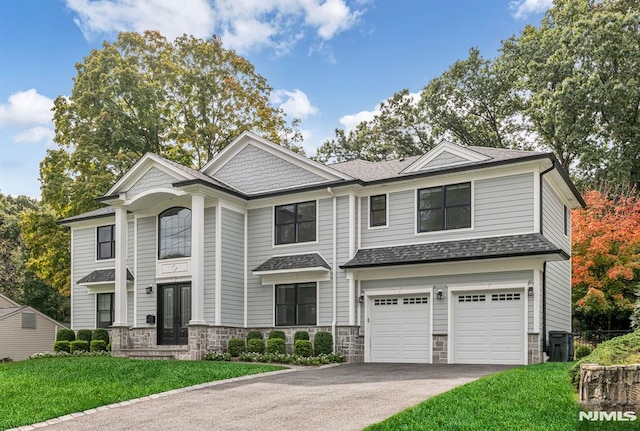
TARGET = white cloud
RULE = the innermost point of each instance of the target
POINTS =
(35, 135)
(350, 121)
(242, 24)
(294, 103)
(26, 107)
(524, 8)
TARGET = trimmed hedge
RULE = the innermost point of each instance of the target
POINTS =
(79, 346)
(84, 334)
(277, 334)
(62, 346)
(323, 343)
(65, 334)
(303, 348)
(236, 346)
(301, 335)
(254, 335)
(100, 334)
(98, 346)
(255, 346)
(276, 346)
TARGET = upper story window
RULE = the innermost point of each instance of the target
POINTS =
(174, 233)
(377, 210)
(444, 207)
(106, 243)
(295, 223)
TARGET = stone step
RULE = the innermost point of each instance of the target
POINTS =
(158, 352)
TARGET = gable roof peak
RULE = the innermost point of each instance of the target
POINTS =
(446, 154)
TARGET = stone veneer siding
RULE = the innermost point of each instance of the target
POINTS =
(610, 388)
(440, 349)
(533, 349)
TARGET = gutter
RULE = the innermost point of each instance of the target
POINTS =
(335, 266)
(545, 346)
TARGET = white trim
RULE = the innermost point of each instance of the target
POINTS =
(292, 270)
(105, 287)
(370, 294)
(197, 259)
(141, 167)
(463, 152)
(121, 230)
(274, 230)
(537, 299)
(156, 191)
(352, 251)
(218, 267)
(359, 224)
(71, 283)
(444, 231)
(536, 201)
(135, 270)
(246, 268)
(386, 224)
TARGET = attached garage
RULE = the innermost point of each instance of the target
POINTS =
(400, 328)
(488, 327)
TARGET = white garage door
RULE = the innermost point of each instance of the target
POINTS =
(399, 328)
(488, 327)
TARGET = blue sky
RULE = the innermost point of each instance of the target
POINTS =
(330, 62)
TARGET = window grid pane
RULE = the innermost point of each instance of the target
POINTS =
(295, 304)
(444, 208)
(378, 213)
(105, 309)
(106, 242)
(174, 233)
(295, 223)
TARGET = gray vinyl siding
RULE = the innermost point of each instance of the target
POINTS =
(232, 268)
(154, 178)
(210, 264)
(553, 218)
(261, 232)
(502, 206)
(440, 322)
(253, 170)
(18, 344)
(558, 276)
(342, 256)
(146, 270)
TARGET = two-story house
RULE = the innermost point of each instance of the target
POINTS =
(461, 255)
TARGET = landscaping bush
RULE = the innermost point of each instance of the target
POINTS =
(98, 346)
(109, 347)
(255, 345)
(100, 334)
(582, 351)
(79, 346)
(84, 334)
(236, 346)
(303, 348)
(62, 346)
(65, 335)
(276, 346)
(277, 334)
(254, 335)
(323, 343)
(301, 335)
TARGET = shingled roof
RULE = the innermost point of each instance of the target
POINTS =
(449, 251)
(102, 276)
(297, 261)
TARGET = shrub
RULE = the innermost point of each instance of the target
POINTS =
(84, 334)
(236, 346)
(61, 346)
(254, 335)
(277, 334)
(276, 346)
(109, 347)
(582, 351)
(323, 343)
(303, 348)
(65, 334)
(301, 335)
(100, 334)
(216, 356)
(79, 346)
(255, 346)
(98, 346)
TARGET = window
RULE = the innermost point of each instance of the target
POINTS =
(566, 220)
(296, 304)
(296, 223)
(106, 242)
(28, 321)
(174, 231)
(105, 310)
(444, 207)
(377, 210)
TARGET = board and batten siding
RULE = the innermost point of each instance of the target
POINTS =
(18, 343)
(232, 275)
(502, 206)
(440, 320)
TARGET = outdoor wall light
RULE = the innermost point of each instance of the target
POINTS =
(361, 299)
(149, 289)
(439, 293)
(530, 288)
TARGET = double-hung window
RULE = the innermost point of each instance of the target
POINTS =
(378, 210)
(444, 207)
(295, 223)
(296, 304)
(106, 242)
(105, 309)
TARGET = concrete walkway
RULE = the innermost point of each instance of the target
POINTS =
(346, 397)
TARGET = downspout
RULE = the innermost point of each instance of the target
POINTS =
(545, 347)
(334, 266)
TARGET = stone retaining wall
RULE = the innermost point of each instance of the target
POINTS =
(610, 388)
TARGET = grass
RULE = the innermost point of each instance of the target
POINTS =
(40, 389)
(537, 397)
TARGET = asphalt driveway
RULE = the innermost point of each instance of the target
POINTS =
(346, 397)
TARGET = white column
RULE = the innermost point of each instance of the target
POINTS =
(352, 252)
(197, 259)
(120, 318)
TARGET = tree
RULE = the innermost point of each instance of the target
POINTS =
(184, 100)
(606, 258)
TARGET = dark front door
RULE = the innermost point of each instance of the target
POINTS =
(174, 313)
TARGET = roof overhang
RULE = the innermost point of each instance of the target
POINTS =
(298, 268)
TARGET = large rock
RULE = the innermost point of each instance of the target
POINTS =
(610, 388)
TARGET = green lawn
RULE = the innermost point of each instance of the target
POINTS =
(538, 397)
(39, 389)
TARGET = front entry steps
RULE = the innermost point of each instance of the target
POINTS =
(156, 353)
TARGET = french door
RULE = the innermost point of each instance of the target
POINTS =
(174, 313)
